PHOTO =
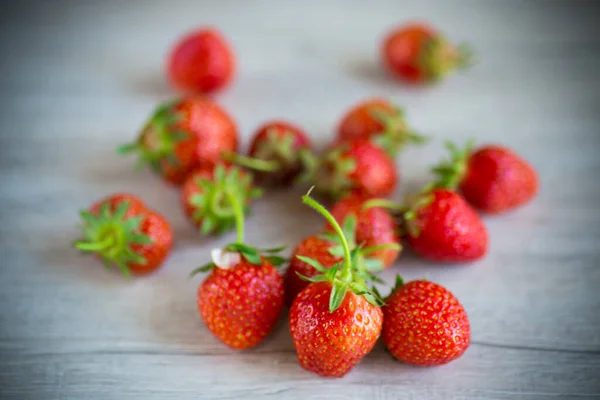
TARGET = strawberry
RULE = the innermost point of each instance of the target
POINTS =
(241, 300)
(201, 62)
(375, 227)
(417, 53)
(314, 247)
(352, 166)
(183, 135)
(442, 226)
(208, 196)
(381, 122)
(424, 324)
(122, 232)
(493, 179)
(275, 153)
(336, 320)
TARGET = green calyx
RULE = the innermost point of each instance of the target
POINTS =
(110, 235)
(450, 173)
(331, 173)
(157, 141)
(251, 254)
(364, 264)
(215, 204)
(439, 58)
(343, 275)
(278, 146)
(395, 134)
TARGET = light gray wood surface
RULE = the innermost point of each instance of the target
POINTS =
(79, 78)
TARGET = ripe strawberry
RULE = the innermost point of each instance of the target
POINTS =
(275, 153)
(493, 179)
(208, 197)
(442, 226)
(418, 53)
(241, 300)
(122, 232)
(335, 321)
(375, 227)
(424, 324)
(201, 62)
(352, 166)
(183, 135)
(381, 122)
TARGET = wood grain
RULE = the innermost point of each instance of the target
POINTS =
(80, 77)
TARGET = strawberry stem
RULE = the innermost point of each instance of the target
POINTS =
(239, 216)
(306, 199)
(250, 162)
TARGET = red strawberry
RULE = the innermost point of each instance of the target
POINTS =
(184, 135)
(375, 227)
(313, 247)
(493, 179)
(442, 226)
(207, 194)
(381, 122)
(424, 324)
(336, 320)
(353, 166)
(201, 62)
(122, 232)
(275, 153)
(241, 300)
(417, 53)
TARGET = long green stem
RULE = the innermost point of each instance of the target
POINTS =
(252, 163)
(306, 199)
(239, 216)
(96, 246)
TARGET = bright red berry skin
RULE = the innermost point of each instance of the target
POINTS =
(152, 225)
(201, 62)
(241, 305)
(498, 180)
(331, 344)
(279, 141)
(448, 229)
(424, 324)
(356, 166)
(375, 226)
(417, 53)
(312, 247)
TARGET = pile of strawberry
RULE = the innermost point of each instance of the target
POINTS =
(336, 314)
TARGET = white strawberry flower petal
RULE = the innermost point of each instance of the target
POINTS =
(225, 259)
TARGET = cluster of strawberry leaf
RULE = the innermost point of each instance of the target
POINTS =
(395, 134)
(163, 125)
(111, 235)
(450, 172)
(357, 283)
(212, 205)
(278, 146)
(251, 254)
(364, 263)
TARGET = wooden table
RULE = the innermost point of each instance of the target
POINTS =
(80, 77)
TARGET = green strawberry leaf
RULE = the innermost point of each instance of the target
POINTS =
(313, 263)
(277, 260)
(273, 250)
(338, 292)
(203, 268)
(318, 278)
